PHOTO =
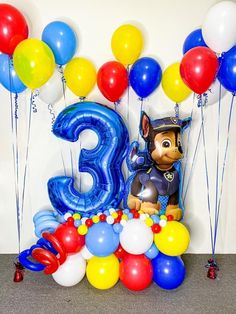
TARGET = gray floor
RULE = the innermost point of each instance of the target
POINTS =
(38, 293)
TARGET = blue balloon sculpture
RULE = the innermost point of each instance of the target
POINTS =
(61, 39)
(103, 163)
(145, 76)
(168, 271)
(194, 39)
(8, 77)
(227, 73)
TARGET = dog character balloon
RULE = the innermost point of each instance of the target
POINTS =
(157, 167)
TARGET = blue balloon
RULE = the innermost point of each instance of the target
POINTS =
(101, 239)
(45, 220)
(145, 76)
(8, 77)
(152, 252)
(103, 162)
(194, 39)
(60, 37)
(227, 73)
(23, 259)
(168, 271)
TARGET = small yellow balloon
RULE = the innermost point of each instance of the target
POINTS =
(80, 75)
(103, 272)
(127, 44)
(34, 62)
(173, 85)
(173, 239)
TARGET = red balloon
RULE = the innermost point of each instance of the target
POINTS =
(120, 252)
(58, 246)
(112, 80)
(136, 272)
(46, 257)
(68, 235)
(13, 28)
(198, 69)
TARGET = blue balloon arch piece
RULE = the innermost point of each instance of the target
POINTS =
(103, 162)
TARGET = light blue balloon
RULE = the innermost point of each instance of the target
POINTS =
(45, 220)
(101, 240)
(152, 252)
(62, 40)
(8, 77)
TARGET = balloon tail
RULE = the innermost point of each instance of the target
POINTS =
(52, 113)
(34, 96)
(141, 109)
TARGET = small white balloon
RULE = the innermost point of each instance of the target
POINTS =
(86, 253)
(52, 91)
(136, 237)
(219, 26)
(71, 272)
(214, 93)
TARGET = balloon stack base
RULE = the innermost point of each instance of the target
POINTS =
(212, 269)
(19, 272)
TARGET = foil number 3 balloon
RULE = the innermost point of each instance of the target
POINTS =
(103, 162)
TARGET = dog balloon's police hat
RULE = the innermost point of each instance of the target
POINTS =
(161, 125)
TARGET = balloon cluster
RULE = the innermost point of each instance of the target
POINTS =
(125, 244)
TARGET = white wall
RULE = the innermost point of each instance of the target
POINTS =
(165, 25)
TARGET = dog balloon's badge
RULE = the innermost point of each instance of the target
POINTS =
(169, 176)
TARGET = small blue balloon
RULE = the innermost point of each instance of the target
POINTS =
(8, 77)
(60, 37)
(168, 271)
(227, 72)
(101, 240)
(145, 76)
(194, 39)
(152, 252)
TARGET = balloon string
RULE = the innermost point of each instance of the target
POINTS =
(128, 90)
(206, 170)
(52, 113)
(27, 153)
(34, 95)
(14, 117)
(63, 81)
(217, 162)
(223, 170)
(177, 110)
(141, 109)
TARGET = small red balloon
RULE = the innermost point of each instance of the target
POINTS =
(13, 28)
(136, 272)
(112, 80)
(103, 217)
(67, 234)
(156, 228)
(120, 252)
(47, 258)
(199, 68)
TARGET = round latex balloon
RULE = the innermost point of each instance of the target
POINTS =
(136, 237)
(52, 91)
(194, 39)
(198, 69)
(33, 62)
(80, 75)
(13, 28)
(219, 26)
(173, 239)
(173, 85)
(71, 272)
(103, 272)
(136, 272)
(127, 44)
(61, 38)
(227, 73)
(168, 271)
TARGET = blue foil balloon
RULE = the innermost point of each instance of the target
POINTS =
(101, 239)
(227, 70)
(168, 271)
(194, 39)
(145, 76)
(103, 162)
(8, 77)
(60, 37)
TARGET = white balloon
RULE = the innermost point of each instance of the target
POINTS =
(71, 272)
(219, 26)
(85, 253)
(52, 91)
(136, 237)
(213, 93)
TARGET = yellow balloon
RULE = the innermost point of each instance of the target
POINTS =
(80, 75)
(173, 85)
(127, 44)
(34, 62)
(173, 239)
(103, 272)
